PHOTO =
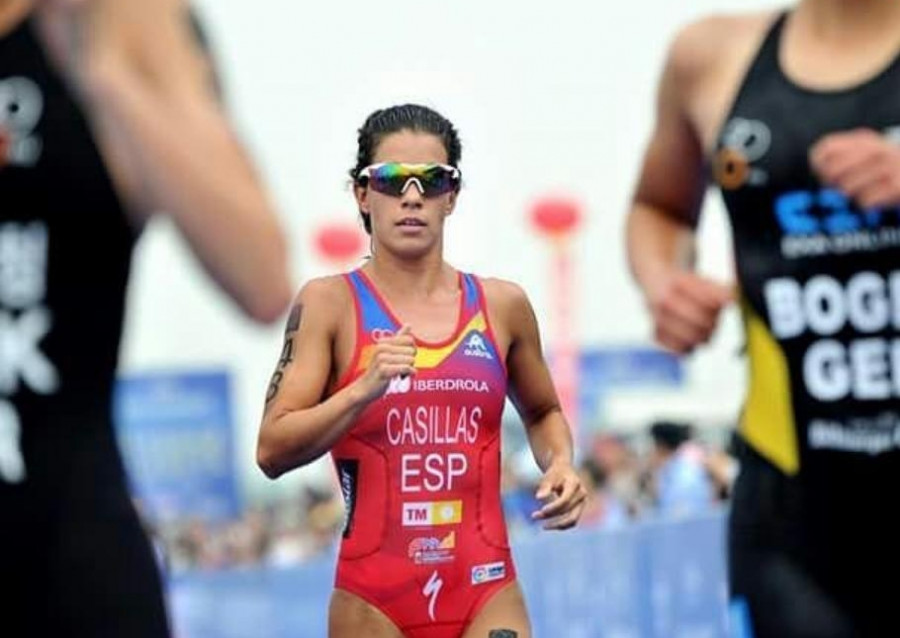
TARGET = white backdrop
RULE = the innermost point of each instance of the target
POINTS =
(548, 98)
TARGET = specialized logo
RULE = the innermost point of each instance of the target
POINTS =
(432, 513)
(475, 347)
(431, 550)
(489, 572)
(21, 108)
(743, 142)
(431, 590)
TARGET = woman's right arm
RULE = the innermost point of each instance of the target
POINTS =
(299, 423)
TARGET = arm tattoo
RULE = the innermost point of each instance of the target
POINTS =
(287, 352)
(293, 321)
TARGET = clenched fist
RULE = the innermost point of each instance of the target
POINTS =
(393, 357)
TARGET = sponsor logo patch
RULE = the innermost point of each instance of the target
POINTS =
(488, 572)
(432, 550)
(432, 513)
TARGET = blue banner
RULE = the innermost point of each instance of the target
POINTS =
(603, 369)
(175, 431)
(622, 367)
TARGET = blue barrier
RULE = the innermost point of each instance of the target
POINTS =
(651, 580)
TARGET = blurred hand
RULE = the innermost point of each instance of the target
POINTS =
(567, 495)
(685, 309)
(862, 163)
(393, 357)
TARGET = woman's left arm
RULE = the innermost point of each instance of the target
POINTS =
(532, 392)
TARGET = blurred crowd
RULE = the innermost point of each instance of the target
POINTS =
(669, 470)
(666, 471)
(280, 534)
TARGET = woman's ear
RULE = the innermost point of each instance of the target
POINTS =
(361, 195)
(451, 203)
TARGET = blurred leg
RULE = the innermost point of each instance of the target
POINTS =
(786, 598)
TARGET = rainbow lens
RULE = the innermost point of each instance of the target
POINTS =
(393, 178)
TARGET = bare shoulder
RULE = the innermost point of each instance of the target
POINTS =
(700, 46)
(325, 298)
(505, 298)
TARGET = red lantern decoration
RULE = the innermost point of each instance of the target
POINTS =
(339, 242)
(555, 216)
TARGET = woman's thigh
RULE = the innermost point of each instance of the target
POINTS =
(503, 616)
(349, 616)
